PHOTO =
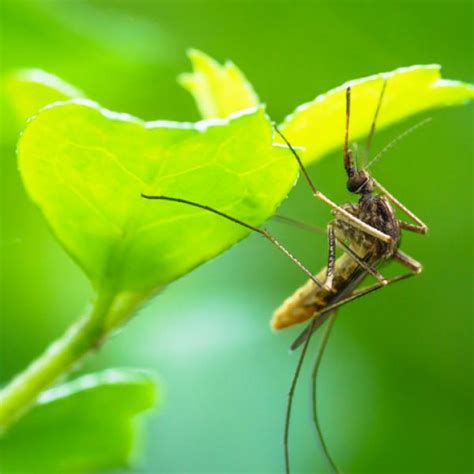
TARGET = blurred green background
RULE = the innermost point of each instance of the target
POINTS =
(396, 383)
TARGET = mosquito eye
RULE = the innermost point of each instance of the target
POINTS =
(354, 183)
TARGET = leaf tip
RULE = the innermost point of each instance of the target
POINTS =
(201, 60)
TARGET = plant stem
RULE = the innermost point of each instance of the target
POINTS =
(82, 337)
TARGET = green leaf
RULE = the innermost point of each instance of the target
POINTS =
(87, 424)
(218, 90)
(318, 126)
(86, 168)
(30, 90)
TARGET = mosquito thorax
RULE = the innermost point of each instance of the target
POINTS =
(360, 182)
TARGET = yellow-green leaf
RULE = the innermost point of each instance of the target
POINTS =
(218, 90)
(86, 168)
(318, 126)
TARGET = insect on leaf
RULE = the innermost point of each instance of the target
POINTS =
(85, 425)
(86, 168)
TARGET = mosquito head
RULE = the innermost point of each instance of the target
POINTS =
(360, 182)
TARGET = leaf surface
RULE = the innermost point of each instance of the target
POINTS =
(318, 126)
(82, 426)
(86, 167)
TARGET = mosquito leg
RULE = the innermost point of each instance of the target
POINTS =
(301, 225)
(339, 210)
(420, 227)
(291, 391)
(304, 338)
(314, 391)
(262, 232)
(407, 261)
(412, 227)
(368, 268)
(320, 317)
(331, 240)
(331, 258)
(361, 225)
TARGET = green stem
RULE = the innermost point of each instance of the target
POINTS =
(82, 337)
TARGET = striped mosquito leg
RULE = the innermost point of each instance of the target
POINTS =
(368, 268)
(251, 227)
(408, 262)
(304, 338)
(361, 225)
(419, 228)
(412, 227)
(320, 317)
(331, 258)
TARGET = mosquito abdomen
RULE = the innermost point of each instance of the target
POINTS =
(309, 298)
(295, 309)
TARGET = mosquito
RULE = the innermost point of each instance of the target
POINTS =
(368, 233)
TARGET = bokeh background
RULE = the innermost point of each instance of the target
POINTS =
(396, 382)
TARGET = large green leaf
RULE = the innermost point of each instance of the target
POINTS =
(318, 125)
(86, 168)
(87, 424)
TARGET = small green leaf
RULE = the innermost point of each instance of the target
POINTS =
(30, 90)
(86, 168)
(318, 126)
(218, 90)
(84, 425)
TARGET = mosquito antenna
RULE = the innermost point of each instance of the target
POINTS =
(374, 122)
(397, 140)
(298, 159)
(348, 164)
(262, 232)
(291, 392)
